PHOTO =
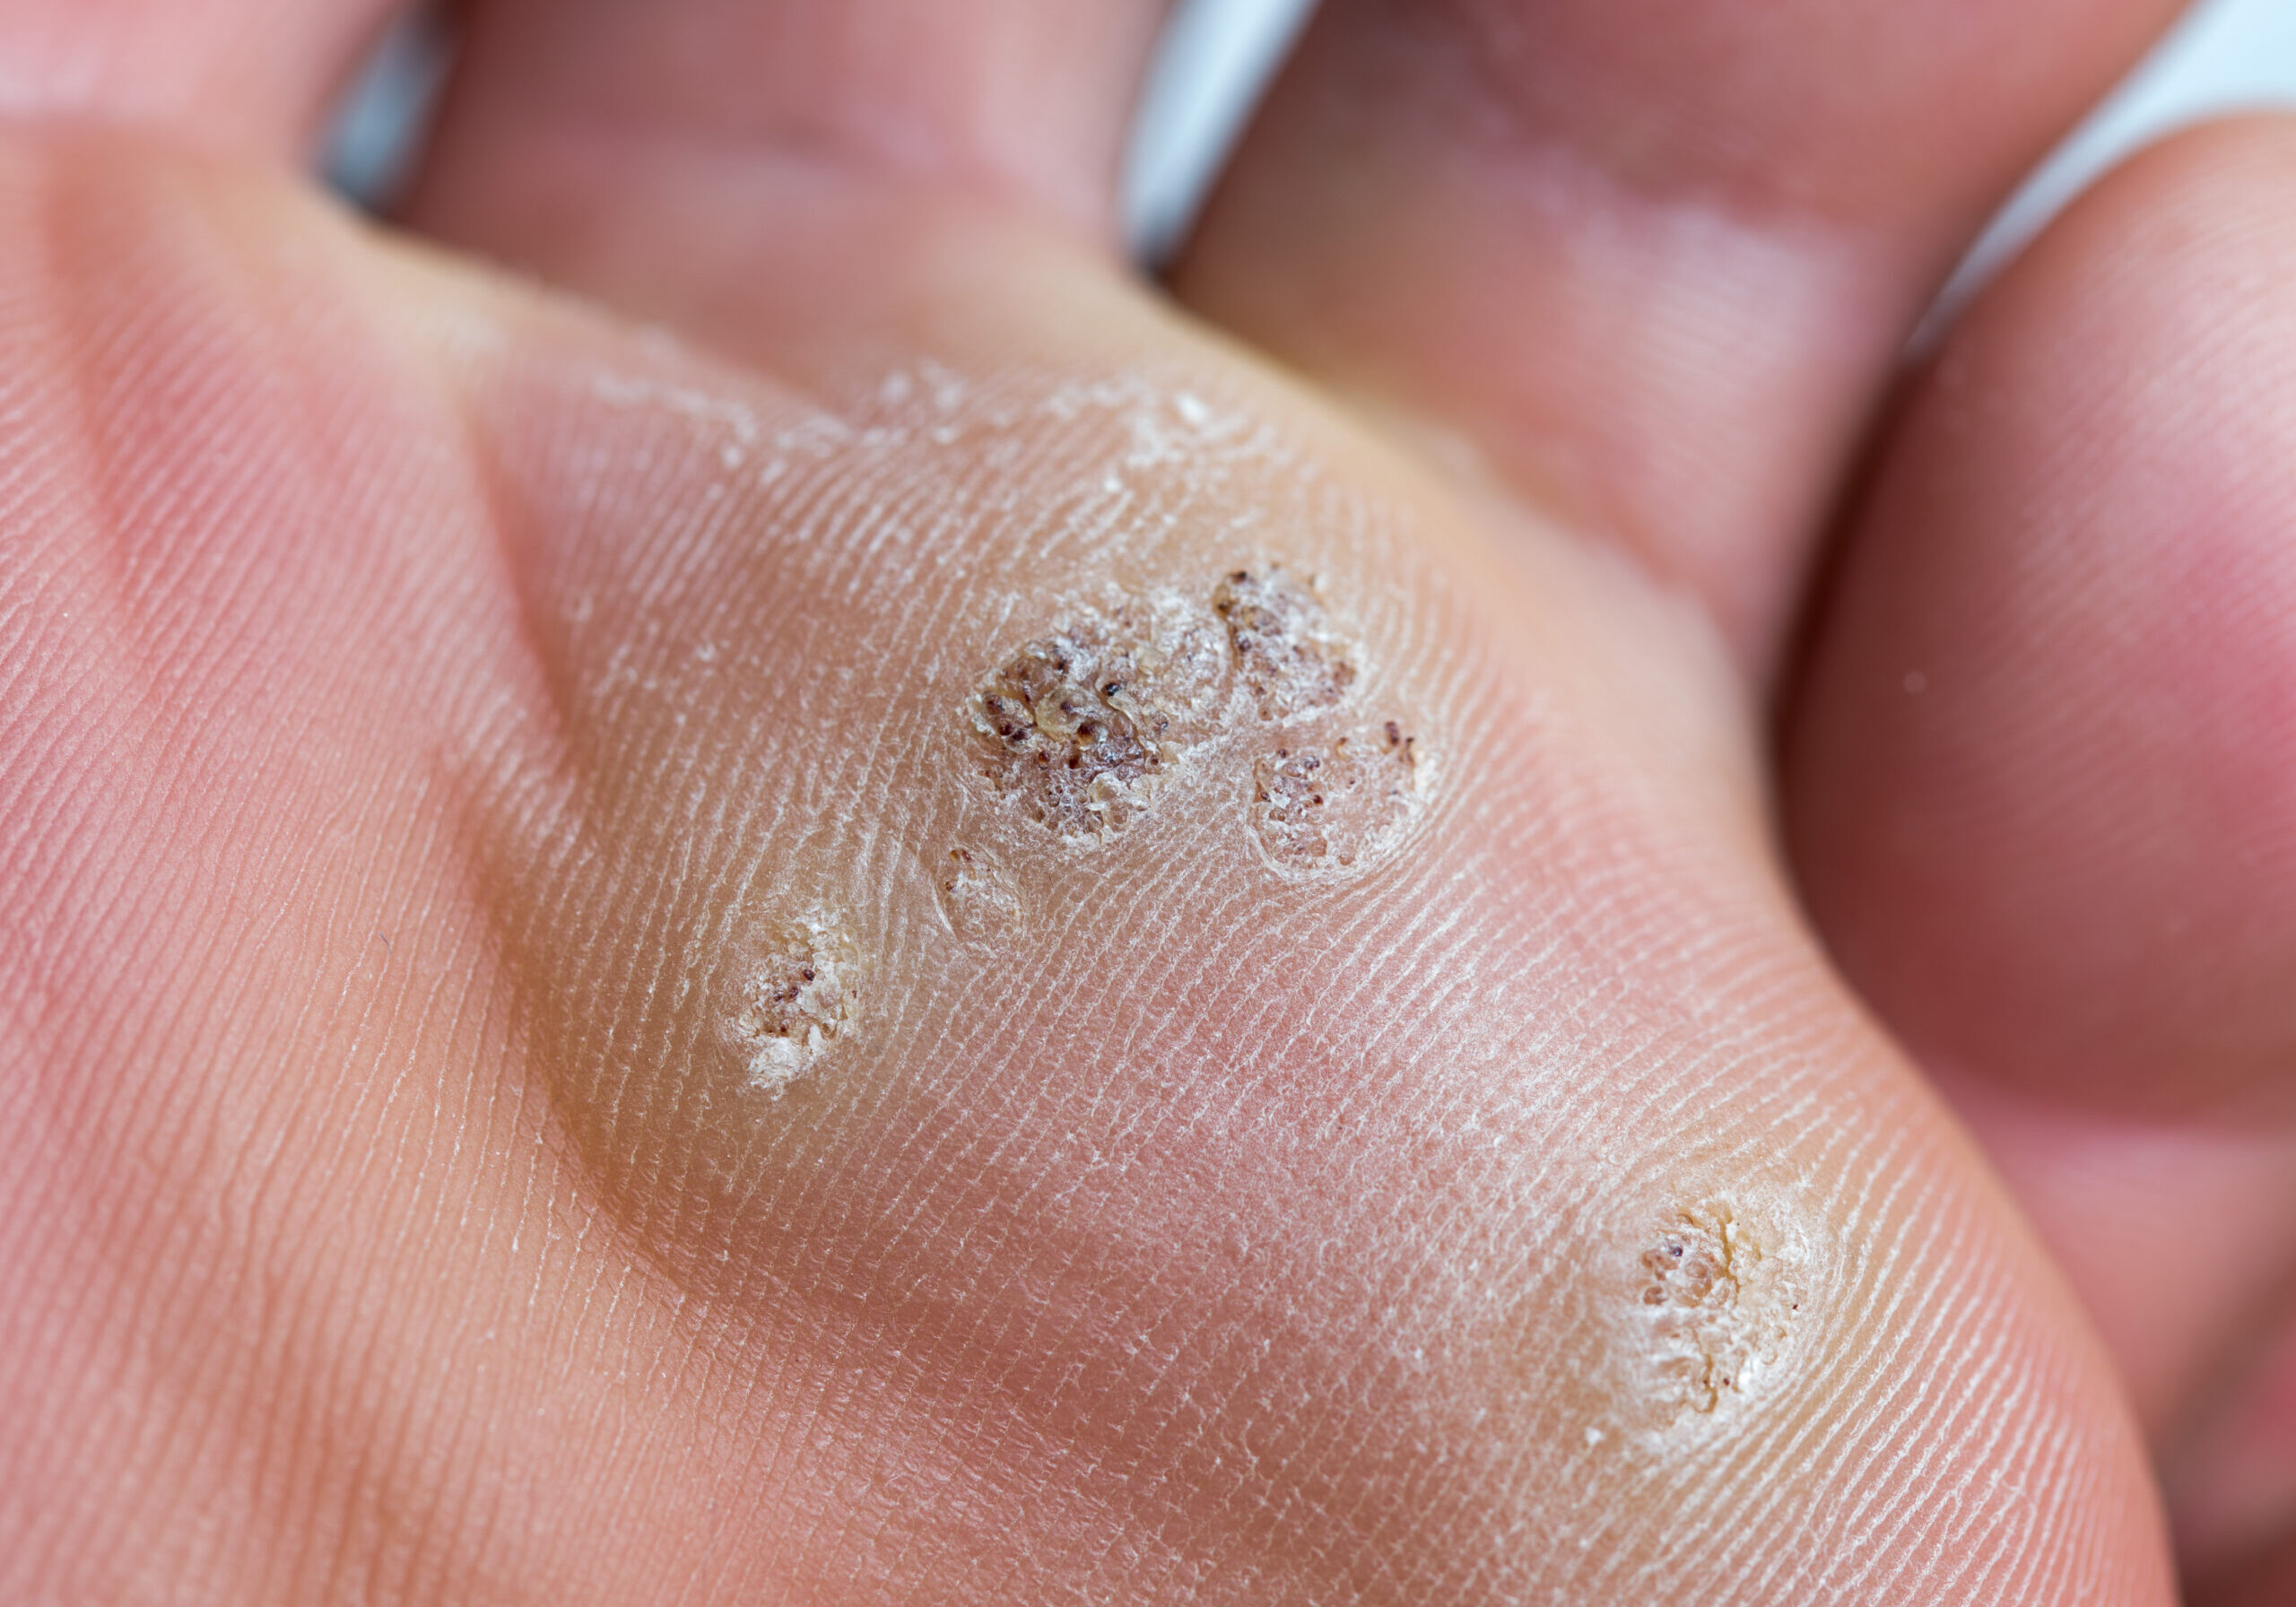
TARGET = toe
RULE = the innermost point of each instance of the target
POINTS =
(2041, 772)
(1652, 260)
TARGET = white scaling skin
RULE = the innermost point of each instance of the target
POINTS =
(1319, 806)
(799, 995)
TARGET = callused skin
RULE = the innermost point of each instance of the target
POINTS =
(454, 700)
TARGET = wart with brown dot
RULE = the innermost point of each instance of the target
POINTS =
(798, 996)
(1283, 646)
(1716, 1303)
(1334, 806)
(1083, 724)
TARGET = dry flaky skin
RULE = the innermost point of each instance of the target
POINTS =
(1174, 1230)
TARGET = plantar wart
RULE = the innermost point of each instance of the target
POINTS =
(1082, 725)
(1279, 642)
(1315, 806)
(799, 997)
(976, 897)
(1716, 1305)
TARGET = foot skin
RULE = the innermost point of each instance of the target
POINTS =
(893, 926)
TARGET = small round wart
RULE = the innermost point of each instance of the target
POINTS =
(1718, 1303)
(1280, 642)
(799, 997)
(1336, 805)
(1083, 726)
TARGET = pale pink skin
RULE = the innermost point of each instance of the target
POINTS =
(426, 694)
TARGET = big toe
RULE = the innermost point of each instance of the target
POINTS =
(2042, 781)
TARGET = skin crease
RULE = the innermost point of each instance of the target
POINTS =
(431, 702)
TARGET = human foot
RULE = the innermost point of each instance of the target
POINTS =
(710, 965)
